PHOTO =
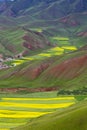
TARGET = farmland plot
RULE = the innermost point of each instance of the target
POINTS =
(18, 111)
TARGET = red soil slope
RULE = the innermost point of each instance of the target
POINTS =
(70, 68)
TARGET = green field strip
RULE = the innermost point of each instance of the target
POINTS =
(9, 125)
(27, 109)
(40, 102)
(31, 95)
(13, 120)
(4, 129)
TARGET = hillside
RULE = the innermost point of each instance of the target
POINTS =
(50, 44)
(55, 26)
(16, 40)
(72, 118)
(56, 72)
(67, 31)
(43, 64)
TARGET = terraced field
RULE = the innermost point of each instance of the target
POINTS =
(55, 51)
(17, 111)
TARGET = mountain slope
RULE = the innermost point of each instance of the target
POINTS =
(67, 72)
(53, 7)
(45, 39)
(55, 20)
(67, 31)
(16, 40)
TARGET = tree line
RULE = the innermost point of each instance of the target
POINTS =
(82, 91)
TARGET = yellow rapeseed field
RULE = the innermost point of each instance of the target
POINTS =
(14, 110)
(20, 114)
(57, 49)
(42, 106)
(59, 98)
(4, 129)
(72, 48)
